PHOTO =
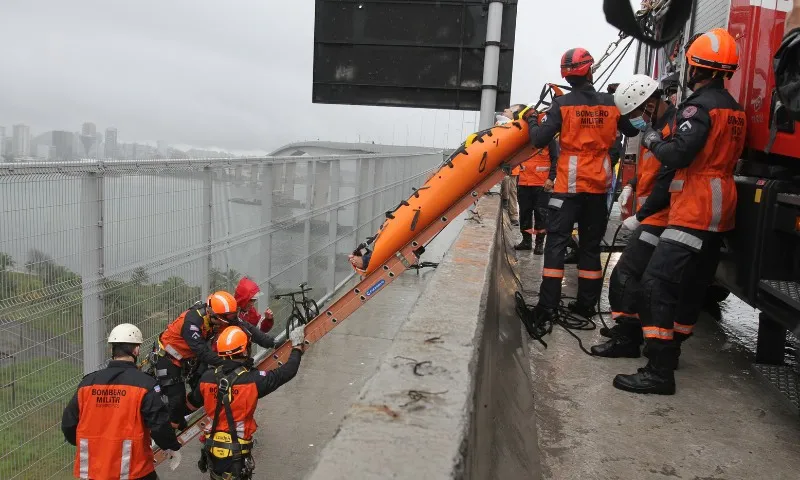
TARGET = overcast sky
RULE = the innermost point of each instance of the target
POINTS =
(234, 75)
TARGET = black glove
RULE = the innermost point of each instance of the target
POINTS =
(650, 137)
(533, 120)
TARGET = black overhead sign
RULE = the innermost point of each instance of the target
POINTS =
(407, 53)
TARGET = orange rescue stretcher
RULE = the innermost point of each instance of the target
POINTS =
(471, 171)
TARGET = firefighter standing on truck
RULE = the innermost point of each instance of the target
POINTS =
(183, 349)
(641, 101)
(587, 121)
(707, 142)
(115, 413)
(229, 394)
(535, 184)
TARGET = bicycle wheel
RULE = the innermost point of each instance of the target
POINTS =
(311, 308)
(293, 322)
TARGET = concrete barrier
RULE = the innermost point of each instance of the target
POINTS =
(451, 398)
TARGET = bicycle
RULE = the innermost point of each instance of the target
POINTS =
(297, 318)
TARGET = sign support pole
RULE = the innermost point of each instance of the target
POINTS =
(491, 64)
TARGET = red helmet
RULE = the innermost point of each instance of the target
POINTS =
(576, 62)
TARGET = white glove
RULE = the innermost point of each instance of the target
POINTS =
(298, 336)
(631, 223)
(175, 458)
(623, 200)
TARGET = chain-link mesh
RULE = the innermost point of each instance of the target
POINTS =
(85, 246)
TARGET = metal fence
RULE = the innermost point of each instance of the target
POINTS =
(85, 246)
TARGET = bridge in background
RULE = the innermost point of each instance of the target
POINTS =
(433, 378)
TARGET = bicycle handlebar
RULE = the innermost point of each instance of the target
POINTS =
(292, 294)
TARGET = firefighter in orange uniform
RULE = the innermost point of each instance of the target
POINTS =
(229, 393)
(115, 413)
(183, 348)
(707, 142)
(640, 100)
(588, 122)
(535, 184)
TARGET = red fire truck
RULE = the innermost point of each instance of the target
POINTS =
(761, 259)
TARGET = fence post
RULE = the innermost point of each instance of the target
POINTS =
(398, 178)
(94, 328)
(377, 204)
(333, 222)
(267, 172)
(311, 170)
(360, 164)
(208, 217)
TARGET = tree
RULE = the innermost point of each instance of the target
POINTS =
(6, 262)
(224, 280)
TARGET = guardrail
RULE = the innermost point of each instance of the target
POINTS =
(87, 245)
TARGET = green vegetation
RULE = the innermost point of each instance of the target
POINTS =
(34, 439)
(46, 300)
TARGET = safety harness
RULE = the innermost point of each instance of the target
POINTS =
(223, 445)
(188, 366)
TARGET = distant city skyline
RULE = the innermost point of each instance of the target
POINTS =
(26, 143)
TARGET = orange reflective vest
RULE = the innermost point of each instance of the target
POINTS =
(536, 169)
(587, 134)
(243, 406)
(112, 440)
(646, 174)
(172, 341)
(704, 193)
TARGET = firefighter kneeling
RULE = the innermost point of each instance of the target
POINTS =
(640, 100)
(230, 394)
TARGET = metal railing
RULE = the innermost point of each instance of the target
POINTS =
(87, 245)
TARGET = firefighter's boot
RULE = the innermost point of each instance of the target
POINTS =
(538, 248)
(582, 310)
(624, 343)
(657, 377)
(525, 244)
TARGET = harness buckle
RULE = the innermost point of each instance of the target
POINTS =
(223, 385)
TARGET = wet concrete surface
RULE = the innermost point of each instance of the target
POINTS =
(297, 420)
(723, 423)
(465, 410)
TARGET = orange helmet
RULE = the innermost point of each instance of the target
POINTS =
(232, 341)
(714, 50)
(222, 305)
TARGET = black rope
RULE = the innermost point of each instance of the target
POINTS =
(614, 63)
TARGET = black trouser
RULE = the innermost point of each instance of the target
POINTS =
(170, 378)
(625, 288)
(225, 465)
(589, 210)
(532, 209)
(674, 284)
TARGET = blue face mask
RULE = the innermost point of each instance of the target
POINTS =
(639, 123)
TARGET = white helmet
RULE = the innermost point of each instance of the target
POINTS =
(125, 333)
(634, 93)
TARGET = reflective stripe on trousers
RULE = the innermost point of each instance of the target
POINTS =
(648, 237)
(687, 239)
